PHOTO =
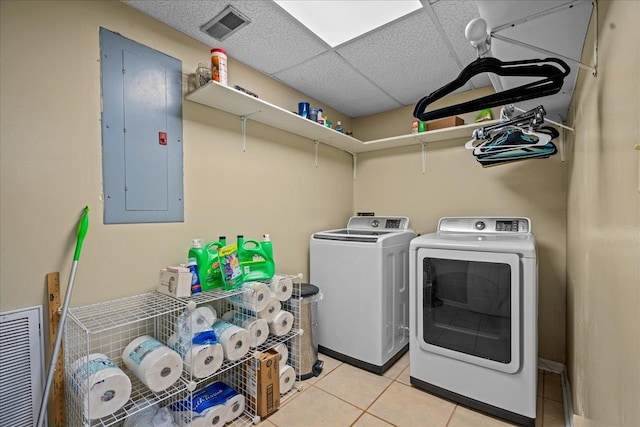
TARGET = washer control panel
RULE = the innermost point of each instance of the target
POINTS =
(498, 225)
(399, 223)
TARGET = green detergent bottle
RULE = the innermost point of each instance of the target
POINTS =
(256, 258)
(208, 265)
(213, 279)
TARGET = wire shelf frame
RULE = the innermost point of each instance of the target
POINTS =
(108, 327)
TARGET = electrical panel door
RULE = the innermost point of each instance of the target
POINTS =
(141, 132)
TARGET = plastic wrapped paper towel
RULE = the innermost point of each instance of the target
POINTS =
(200, 360)
(287, 379)
(155, 364)
(151, 417)
(235, 340)
(258, 328)
(101, 385)
(282, 324)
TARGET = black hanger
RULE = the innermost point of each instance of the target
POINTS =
(549, 85)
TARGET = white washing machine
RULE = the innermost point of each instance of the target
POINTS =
(473, 315)
(363, 274)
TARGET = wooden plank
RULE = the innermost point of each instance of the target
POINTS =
(57, 400)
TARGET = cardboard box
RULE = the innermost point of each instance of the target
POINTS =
(447, 122)
(263, 372)
(176, 284)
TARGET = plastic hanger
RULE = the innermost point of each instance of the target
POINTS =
(552, 70)
(496, 143)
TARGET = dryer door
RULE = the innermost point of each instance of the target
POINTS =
(468, 306)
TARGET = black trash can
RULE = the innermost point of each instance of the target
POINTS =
(307, 343)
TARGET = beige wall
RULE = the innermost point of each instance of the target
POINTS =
(603, 211)
(51, 162)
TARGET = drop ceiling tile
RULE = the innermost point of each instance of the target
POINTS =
(330, 80)
(273, 41)
(498, 12)
(407, 59)
(454, 15)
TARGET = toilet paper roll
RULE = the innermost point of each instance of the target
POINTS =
(282, 323)
(202, 318)
(256, 297)
(283, 351)
(235, 340)
(101, 385)
(202, 361)
(155, 364)
(287, 379)
(258, 328)
(215, 416)
(271, 311)
(234, 406)
(281, 287)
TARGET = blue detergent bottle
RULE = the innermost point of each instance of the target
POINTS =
(256, 258)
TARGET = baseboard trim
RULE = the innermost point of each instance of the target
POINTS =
(561, 369)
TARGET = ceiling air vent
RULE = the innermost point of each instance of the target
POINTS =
(225, 23)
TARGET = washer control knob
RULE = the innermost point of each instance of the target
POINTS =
(375, 223)
(480, 225)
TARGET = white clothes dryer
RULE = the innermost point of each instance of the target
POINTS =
(363, 274)
(473, 315)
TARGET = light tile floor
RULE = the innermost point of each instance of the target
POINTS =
(348, 396)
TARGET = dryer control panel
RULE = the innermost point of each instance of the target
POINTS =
(498, 225)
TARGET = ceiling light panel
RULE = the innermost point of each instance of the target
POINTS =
(336, 22)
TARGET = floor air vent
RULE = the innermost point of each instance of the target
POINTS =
(21, 367)
(225, 23)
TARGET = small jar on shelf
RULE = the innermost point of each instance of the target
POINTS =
(203, 74)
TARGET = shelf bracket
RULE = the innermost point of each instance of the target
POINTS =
(316, 143)
(243, 121)
(424, 157)
(593, 68)
(355, 164)
(562, 144)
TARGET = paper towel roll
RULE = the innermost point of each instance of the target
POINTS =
(283, 351)
(281, 287)
(282, 323)
(271, 311)
(215, 416)
(255, 297)
(203, 360)
(287, 379)
(234, 406)
(235, 340)
(155, 364)
(258, 328)
(101, 385)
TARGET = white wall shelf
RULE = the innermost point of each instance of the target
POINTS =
(232, 101)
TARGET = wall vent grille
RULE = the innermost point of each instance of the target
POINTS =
(21, 367)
